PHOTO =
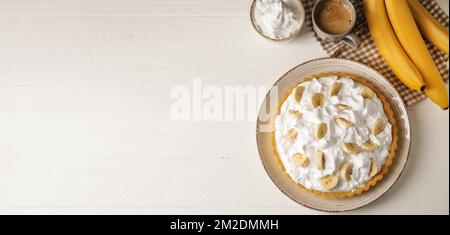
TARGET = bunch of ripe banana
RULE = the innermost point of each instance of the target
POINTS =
(397, 27)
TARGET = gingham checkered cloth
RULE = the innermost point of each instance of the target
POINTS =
(368, 53)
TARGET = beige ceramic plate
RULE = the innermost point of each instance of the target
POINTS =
(267, 116)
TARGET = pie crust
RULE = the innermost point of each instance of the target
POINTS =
(389, 159)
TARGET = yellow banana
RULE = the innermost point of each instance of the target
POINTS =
(389, 46)
(409, 36)
(429, 26)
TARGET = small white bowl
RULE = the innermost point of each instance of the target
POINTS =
(302, 17)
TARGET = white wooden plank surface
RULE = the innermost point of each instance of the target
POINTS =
(84, 112)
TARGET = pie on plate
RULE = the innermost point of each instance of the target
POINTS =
(335, 135)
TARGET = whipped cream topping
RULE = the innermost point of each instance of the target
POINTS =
(277, 19)
(363, 114)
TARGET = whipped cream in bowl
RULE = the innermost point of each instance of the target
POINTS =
(277, 20)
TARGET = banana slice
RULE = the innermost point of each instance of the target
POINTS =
(378, 127)
(342, 122)
(329, 182)
(320, 160)
(373, 168)
(367, 93)
(347, 171)
(369, 145)
(291, 135)
(317, 100)
(343, 107)
(299, 93)
(335, 88)
(351, 148)
(294, 114)
(300, 160)
(321, 131)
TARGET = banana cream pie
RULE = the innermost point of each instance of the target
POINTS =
(335, 135)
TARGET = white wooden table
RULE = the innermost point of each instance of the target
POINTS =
(85, 124)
